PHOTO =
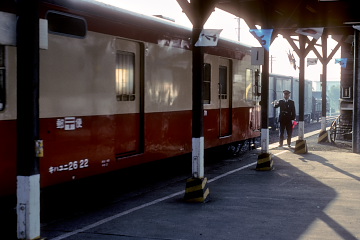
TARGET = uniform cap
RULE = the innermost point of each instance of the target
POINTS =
(286, 91)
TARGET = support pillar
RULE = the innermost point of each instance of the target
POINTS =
(323, 82)
(356, 96)
(198, 108)
(28, 174)
(300, 145)
(302, 53)
(265, 104)
(265, 163)
(323, 135)
(196, 189)
(198, 11)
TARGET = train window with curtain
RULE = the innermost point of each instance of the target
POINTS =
(2, 78)
(66, 24)
(207, 84)
(125, 76)
(222, 82)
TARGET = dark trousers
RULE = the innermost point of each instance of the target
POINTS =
(288, 126)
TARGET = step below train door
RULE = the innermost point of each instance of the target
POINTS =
(225, 98)
(129, 113)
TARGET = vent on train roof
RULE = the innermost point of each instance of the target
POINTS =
(165, 18)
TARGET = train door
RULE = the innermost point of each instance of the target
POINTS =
(129, 117)
(225, 106)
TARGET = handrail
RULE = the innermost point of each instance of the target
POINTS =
(339, 128)
(333, 128)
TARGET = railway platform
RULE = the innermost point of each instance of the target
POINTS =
(307, 196)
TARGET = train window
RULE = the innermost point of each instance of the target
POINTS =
(207, 83)
(66, 24)
(222, 82)
(125, 76)
(2, 78)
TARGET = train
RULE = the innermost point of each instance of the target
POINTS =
(317, 105)
(312, 99)
(116, 91)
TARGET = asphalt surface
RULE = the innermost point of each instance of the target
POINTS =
(306, 196)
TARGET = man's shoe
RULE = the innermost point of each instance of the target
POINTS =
(289, 145)
(280, 145)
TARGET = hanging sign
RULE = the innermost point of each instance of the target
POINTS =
(208, 38)
(263, 36)
(8, 30)
(292, 60)
(257, 56)
(312, 61)
(312, 32)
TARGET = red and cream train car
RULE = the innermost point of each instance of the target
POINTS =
(116, 91)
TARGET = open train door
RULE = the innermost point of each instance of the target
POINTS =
(225, 98)
(129, 120)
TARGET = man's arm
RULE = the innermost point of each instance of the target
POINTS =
(276, 104)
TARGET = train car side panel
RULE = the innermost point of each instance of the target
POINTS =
(244, 113)
(119, 94)
(78, 76)
(167, 134)
(8, 138)
(168, 78)
(8, 157)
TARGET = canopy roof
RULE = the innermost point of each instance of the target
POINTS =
(285, 16)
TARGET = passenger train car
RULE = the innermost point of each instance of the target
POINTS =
(277, 84)
(116, 91)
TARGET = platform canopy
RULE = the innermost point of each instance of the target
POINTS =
(286, 16)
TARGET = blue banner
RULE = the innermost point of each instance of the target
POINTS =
(263, 36)
(341, 61)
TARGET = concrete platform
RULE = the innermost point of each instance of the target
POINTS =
(307, 196)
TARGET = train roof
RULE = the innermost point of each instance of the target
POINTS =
(138, 15)
(160, 20)
(113, 20)
(281, 75)
(318, 95)
(287, 76)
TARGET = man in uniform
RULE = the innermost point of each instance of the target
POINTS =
(286, 116)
